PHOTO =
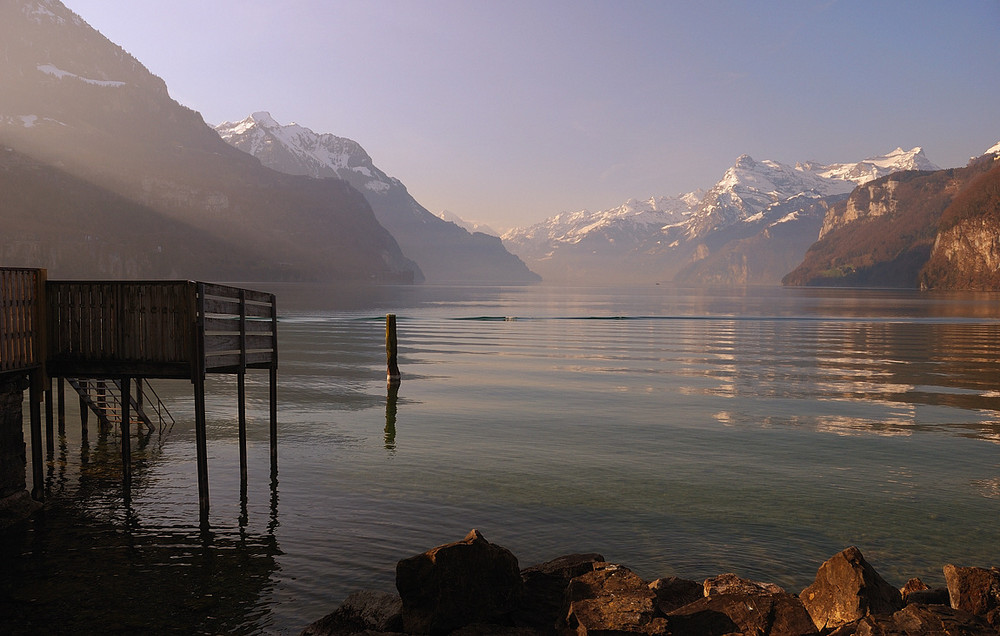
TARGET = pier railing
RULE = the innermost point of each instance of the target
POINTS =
(22, 318)
(165, 329)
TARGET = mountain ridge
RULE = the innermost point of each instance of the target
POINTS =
(667, 236)
(444, 251)
(74, 100)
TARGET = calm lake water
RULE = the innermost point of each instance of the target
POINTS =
(679, 432)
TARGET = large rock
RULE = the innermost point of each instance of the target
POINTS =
(759, 613)
(732, 584)
(846, 589)
(975, 590)
(458, 584)
(611, 599)
(361, 611)
(673, 592)
(918, 619)
(545, 587)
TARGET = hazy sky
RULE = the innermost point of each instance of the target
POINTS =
(510, 111)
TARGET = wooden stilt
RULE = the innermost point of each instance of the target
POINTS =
(50, 440)
(201, 444)
(62, 405)
(273, 388)
(35, 410)
(84, 412)
(392, 366)
(126, 438)
(241, 390)
(274, 419)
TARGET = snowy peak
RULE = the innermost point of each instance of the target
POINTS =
(995, 150)
(873, 167)
(298, 150)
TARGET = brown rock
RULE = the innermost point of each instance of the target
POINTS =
(612, 598)
(975, 590)
(916, 591)
(757, 613)
(732, 584)
(545, 588)
(361, 611)
(457, 584)
(918, 620)
(672, 592)
(847, 589)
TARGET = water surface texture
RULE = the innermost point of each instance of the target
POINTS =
(680, 432)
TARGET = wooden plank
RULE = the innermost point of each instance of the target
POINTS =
(232, 342)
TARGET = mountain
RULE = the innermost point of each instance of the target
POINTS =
(966, 252)
(79, 108)
(444, 251)
(470, 226)
(757, 220)
(884, 233)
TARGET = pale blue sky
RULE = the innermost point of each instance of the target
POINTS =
(510, 111)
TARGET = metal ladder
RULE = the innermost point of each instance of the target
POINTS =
(104, 399)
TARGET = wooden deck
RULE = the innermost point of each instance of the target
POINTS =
(130, 330)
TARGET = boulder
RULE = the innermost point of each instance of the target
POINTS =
(975, 590)
(847, 589)
(732, 584)
(672, 592)
(759, 613)
(613, 599)
(916, 591)
(918, 619)
(361, 611)
(458, 584)
(545, 587)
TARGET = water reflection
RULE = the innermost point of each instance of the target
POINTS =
(93, 561)
(390, 416)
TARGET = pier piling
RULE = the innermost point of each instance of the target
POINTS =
(392, 366)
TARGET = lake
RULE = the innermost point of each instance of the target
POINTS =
(684, 432)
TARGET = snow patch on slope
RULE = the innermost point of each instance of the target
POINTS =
(58, 73)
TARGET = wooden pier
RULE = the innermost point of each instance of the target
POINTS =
(118, 334)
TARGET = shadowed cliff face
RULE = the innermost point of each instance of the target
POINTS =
(74, 100)
(884, 233)
(966, 253)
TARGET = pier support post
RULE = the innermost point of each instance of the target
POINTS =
(50, 441)
(241, 390)
(35, 410)
(61, 383)
(273, 389)
(391, 358)
(126, 439)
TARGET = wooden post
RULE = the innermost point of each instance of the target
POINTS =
(273, 388)
(200, 433)
(392, 367)
(241, 390)
(126, 438)
(35, 408)
(84, 410)
(62, 405)
(50, 443)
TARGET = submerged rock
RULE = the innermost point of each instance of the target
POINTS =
(361, 611)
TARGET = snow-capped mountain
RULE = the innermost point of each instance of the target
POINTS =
(665, 234)
(115, 178)
(995, 150)
(443, 250)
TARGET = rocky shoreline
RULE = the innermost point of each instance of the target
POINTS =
(473, 587)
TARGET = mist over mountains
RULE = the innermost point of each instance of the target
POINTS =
(444, 251)
(103, 174)
(78, 106)
(752, 227)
